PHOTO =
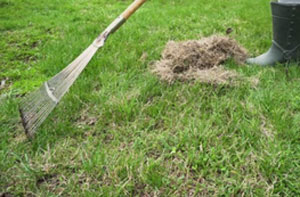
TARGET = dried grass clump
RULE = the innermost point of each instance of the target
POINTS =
(199, 60)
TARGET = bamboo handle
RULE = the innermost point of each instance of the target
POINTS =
(132, 8)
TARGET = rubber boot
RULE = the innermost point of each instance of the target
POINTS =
(286, 36)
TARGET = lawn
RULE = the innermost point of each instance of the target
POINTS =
(122, 132)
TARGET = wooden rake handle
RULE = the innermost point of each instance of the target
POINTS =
(118, 22)
(132, 8)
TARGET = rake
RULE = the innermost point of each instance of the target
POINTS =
(36, 106)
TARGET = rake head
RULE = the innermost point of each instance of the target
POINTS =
(36, 106)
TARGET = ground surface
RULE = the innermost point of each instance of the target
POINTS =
(120, 131)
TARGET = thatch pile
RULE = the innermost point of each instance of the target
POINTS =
(199, 60)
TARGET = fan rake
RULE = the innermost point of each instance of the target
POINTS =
(36, 106)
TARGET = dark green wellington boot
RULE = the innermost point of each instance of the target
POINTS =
(286, 36)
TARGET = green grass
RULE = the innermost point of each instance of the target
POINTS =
(122, 132)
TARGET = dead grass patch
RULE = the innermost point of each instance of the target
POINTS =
(86, 119)
(266, 127)
(199, 60)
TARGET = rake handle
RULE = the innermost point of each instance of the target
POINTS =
(118, 22)
(132, 8)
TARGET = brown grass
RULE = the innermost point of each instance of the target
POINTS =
(199, 60)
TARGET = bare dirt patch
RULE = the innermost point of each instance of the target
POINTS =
(199, 60)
